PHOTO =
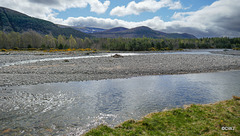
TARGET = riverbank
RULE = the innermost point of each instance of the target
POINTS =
(221, 118)
(107, 67)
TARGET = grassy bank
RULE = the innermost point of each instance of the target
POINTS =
(207, 119)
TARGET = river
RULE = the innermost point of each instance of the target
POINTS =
(75, 107)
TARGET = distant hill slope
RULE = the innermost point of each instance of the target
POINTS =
(88, 30)
(11, 20)
(116, 29)
(139, 32)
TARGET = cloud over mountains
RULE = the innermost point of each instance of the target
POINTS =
(221, 18)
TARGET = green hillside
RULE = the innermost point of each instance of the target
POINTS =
(11, 20)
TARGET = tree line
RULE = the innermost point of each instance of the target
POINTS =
(32, 39)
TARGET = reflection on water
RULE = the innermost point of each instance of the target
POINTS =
(75, 107)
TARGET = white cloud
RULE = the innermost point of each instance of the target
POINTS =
(44, 8)
(155, 23)
(175, 5)
(144, 6)
(222, 18)
(98, 7)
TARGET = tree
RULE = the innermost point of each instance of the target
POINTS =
(3, 40)
(61, 40)
(72, 42)
(50, 41)
(79, 42)
(26, 40)
(37, 39)
(87, 43)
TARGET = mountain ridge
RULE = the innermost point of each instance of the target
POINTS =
(115, 29)
(139, 32)
(11, 20)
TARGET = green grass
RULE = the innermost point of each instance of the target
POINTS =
(194, 120)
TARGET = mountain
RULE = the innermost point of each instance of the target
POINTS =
(116, 29)
(139, 32)
(88, 30)
(11, 20)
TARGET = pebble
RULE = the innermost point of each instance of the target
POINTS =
(108, 68)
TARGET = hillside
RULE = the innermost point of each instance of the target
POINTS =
(116, 29)
(11, 20)
(88, 29)
(139, 32)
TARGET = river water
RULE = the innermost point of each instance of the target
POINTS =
(75, 107)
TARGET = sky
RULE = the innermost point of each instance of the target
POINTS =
(202, 18)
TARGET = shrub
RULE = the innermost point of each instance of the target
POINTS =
(41, 49)
(15, 48)
(32, 49)
(60, 46)
(88, 49)
(43, 46)
(180, 49)
(4, 50)
(236, 48)
(152, 49)
(29, 46)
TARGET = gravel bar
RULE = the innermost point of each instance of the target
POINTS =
(227, 52)
(109, 67)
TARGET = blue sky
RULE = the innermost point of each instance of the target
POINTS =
(203, 18)
(164, 13)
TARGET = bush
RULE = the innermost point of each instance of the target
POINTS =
(15, 48)
(29, 46)
(43, 46)
(180, 49)
(236, 48)
(32, 49)
(60, 46)
(152, 49)
(41, 49)
(4, 50)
